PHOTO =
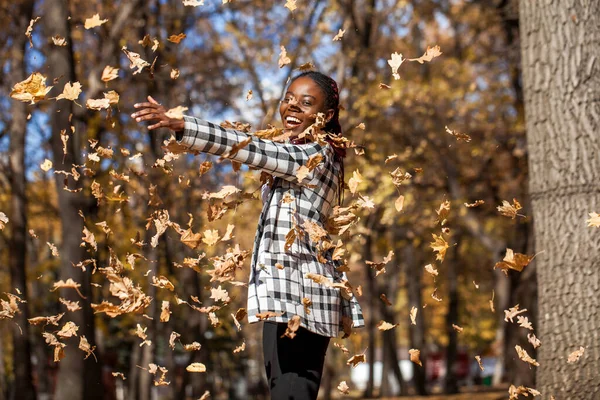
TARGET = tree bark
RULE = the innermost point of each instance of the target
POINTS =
(77, 378)
(561, 70)
(23, 385)
(451, 380)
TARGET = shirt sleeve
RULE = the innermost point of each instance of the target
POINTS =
(279, 159)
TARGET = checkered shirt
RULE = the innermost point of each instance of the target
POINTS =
(272, 288)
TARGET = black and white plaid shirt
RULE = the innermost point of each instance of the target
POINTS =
(273, 287)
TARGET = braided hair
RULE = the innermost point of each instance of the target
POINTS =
(332, 101)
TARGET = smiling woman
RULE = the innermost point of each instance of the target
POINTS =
(294, 281)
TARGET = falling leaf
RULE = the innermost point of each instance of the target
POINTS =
(94, 21)
(84, 345)
(525, 357)
(399, 203)
(165, 313)
(69, 283)
(51, 320)
(174, 73)
(176, 38)
(290, 5)
(283, 58)
(225, 191)
(29, 30)
(430, 269)
(513, 312)
(385, 326)
(194, 346)
(516, 261)
(292, 326)
(240, 348)
(135, 60)
(413, 315)
(97, 104)
(210, 237)
(509, 210)
(109, 73)
(268, 314)
(395, 63)
(89, 238)
(162, 282)
(475, 204)
(193, 3)
(53, 249)
(112, 96)
(429, 55)
(343, 387)
(46, 165)
(339, 35)
(70, 92)
(524, 322)
(68, 330)
(3, 220)
(478, 359)
(414, 356)
(71, 305)
(574, 356)
(594, 220)
(535, 342)
(457, 328)
(357, 359)
(59, 41)
(190, 239)
(196, 367)
(32, 89)
(249, 95)
(219, 294)
(440, 246)
(457, 135)
(176, 113)
(355, 181)
(514, 392)
(384, 86)
(443, 212)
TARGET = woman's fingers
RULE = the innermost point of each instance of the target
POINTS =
(151, 100)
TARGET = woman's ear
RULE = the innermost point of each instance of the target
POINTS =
(329, 114)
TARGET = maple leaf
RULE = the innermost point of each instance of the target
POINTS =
(283, 58)
(109, 73)
(440, 246)
(190, 239)
(594, 220)
(290, 5)
(339, 35)
(343, 387)
(509, 210)
(210, 237)
(429, 55)
(70, 91)
(516, 261)
(414, 356)
(395, 63)
(576, 355)
(94, 21)
(32, 89)
(442, 212)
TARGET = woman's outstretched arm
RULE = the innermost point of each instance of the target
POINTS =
(279, 159)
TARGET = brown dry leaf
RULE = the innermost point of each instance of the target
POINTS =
(443, 212)
(71, 305)
(225, 191)
(29, 30)
(292, 326)
(414, 356)
(431, 269)
(135, 60)
(399, 203)
(70, 283)
(576, 355)
(84, 345)
(97, 104)
(524, 323)
(354, 181)
(290, 5)
(357, 359)
(303, 171)
(512, 312)
(478, 358)
(440, 246)
(176, 112)
(228, 233)
(172, 337)
(194, 346)
(380, 266)
(594, 220)
(525, 357)
(89, 238)
(343, 387)
(268, 314)
(32, 89)
(94, 21)
(385, 326)
(492, 302)
(162, 282)
(177, 38)
(384, 86)
(109, 73)
(413, 315)
(475, 204)
(457, 328)
(210, 237)
(165, 312)
(214, 320)
(59, 41)
(53, 319)
(398, 177)
(193, 3)
(240, 348)
(535, 342)
(395, 62)
(459, 136)
(509, 210)
(69, 329)
(323, 280)
(516, 261)
(3, 220)
(70, 91)
(113, 98)
(339, 35)
(429, 55)
(118, 374)
(283, 58)
(196, 367)
(218, 294)
(514, 392)
(191, 239)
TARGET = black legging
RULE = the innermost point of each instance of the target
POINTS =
(294, 366)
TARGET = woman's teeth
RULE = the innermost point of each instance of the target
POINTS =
(292, 121)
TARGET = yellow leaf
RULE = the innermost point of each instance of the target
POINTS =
(196, 367)
(355, 181)
(32, 89)
(440, 246)
(292, 327)
(290, 5)
(210, 237)
(165, 312)
(516, 261)
(176, 113)
(414, 356)
(135, 60)
(594, 220)
(97, 104)
(70, 92)
(109, 73)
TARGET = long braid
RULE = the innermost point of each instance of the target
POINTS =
(332, 101)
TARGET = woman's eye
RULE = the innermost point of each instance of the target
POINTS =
(306, 103)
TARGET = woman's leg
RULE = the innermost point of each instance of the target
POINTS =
(293, 366)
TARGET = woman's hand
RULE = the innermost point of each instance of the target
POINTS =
(153, 111)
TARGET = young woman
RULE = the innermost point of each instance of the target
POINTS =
(278, 283)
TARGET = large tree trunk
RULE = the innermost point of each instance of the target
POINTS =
(451, 380)
(23, 386)
(77, 379)
(561, 70)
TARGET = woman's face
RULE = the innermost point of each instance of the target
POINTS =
(300, 105)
